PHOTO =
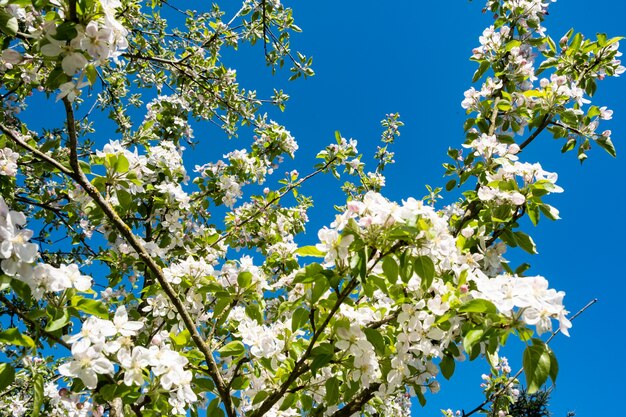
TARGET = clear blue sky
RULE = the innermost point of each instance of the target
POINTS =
(411, 57)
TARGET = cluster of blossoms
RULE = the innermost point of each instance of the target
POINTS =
(271, 142)
(528, 13)
(458, 278)
(509, 169)
(8, 162)
(167, 119)
(78, 47)
(101, 346)
(18, 258)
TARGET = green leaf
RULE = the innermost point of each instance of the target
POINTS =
(332, 391)
(182, 338)
(310, 273)
(537, 364)
(376, 339)
(447, 366)
(92, 74)
(59, 322)
(554, 367)
(484, 66)
(606, 144)
(121, 164)
(425, 268)
(89, 306)
(319, 289)
(471, 338)
(214, 410)
(289, 400)
(66, 31)
(8, 24)
(478, 306)
(526, 242)
(37, 395)
(533, 213)
(234, 348)
(390, 269)
(7, 375)
(310, 251)
(319, 362)
(299, 318)
(244, 279)
(14, 337)
(125, 198)
(260, 396)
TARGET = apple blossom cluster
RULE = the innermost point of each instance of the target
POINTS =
(421, 338)
(226, 179)
(18, 259)
(8, 162)
(538, 303)
(166, 119)
(78, 45)
(101, 346)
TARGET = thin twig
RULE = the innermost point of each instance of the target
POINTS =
(16, 310)
(495, 395)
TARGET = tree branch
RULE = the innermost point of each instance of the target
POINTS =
(15, 137)
(544, 123)
(498, 393)
(130, 237)
(357, 402)
(299, 368)
(17, 311)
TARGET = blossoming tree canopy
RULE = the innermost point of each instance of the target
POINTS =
(153, 308)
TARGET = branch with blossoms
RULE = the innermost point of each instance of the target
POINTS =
(391, 296)
(506, 392)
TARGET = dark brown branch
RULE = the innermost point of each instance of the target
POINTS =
(143, 254)
(544, 123)
(300, 366)
(357, 402)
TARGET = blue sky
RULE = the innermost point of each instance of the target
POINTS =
(373, 58)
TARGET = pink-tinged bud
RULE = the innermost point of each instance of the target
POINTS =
(601, 77)
(513, 149)
(463, 289)
(156, 339)
(607, 133)
(563, 41)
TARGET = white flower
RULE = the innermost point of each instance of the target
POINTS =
(97, 41)
(73, 62)
(87, 364)
(94, 330)
(79, 281)
(8, 162)
(123, 326)
(134, 364)
(71, 90)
